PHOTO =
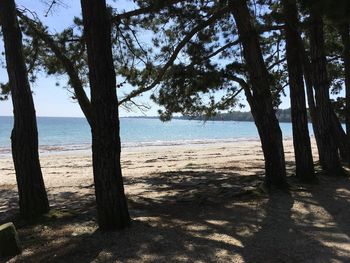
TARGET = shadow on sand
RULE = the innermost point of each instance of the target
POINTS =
(198, 216)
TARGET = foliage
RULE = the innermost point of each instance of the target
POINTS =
(4, 91)
(207, 73)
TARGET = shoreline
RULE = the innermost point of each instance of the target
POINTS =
(58, 167)
(85, 148)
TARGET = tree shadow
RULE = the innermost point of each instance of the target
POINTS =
(288, 235)
(207, 185)
(8, 203)
(335, 199)
(206, 216)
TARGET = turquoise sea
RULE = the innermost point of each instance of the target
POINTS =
(62, 134)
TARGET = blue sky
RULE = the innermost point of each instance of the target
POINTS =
(51, 100)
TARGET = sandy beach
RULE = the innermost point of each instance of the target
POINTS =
(227, 222)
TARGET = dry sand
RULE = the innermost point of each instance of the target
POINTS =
(188, 204)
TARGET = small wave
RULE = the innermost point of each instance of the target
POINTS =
(5, 150)
(44, 149)
(185, 142)
(64, 148)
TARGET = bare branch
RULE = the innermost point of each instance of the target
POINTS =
(50, 7)
(219, 50)
(130, 105)
(276, 63)
(129, 46)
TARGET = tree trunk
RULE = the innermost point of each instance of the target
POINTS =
(260, 99)
(301, 139)
(111, 201)
(32, 194)
(344, 31)
(307, 71)
(329, 158)
(342, 140)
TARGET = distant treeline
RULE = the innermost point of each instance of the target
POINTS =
(283, 115)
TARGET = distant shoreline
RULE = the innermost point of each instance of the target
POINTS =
(149, 117)
(83, 148)
(152, 118)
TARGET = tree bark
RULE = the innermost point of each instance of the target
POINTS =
(260, 98)
(111, 201)
(342, 140)
(301, 139)
(24, 139)
(329, 157)
(310, 94)
(344, 137)
(345, 35)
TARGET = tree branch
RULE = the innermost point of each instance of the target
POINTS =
(276, 63)
(174, 55)
(144, 10)
(69, 66)
(219, 50)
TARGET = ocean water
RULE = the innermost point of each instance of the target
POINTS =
(63, 134)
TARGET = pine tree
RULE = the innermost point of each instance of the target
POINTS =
(106, 147)
(33, 199)
(301, 140)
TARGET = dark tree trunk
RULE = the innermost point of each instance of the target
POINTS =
(342, 142)
(32, 194)
(342, 139)
(260, 99)
(307, 70)
(301, 139)
(344, 31)
(329, 157)
(111, 201)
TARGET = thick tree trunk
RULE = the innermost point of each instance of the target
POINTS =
(345, 35)
(260, 99)
(111, 201)
(329, 157)
(32, 194)
(301, 139)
